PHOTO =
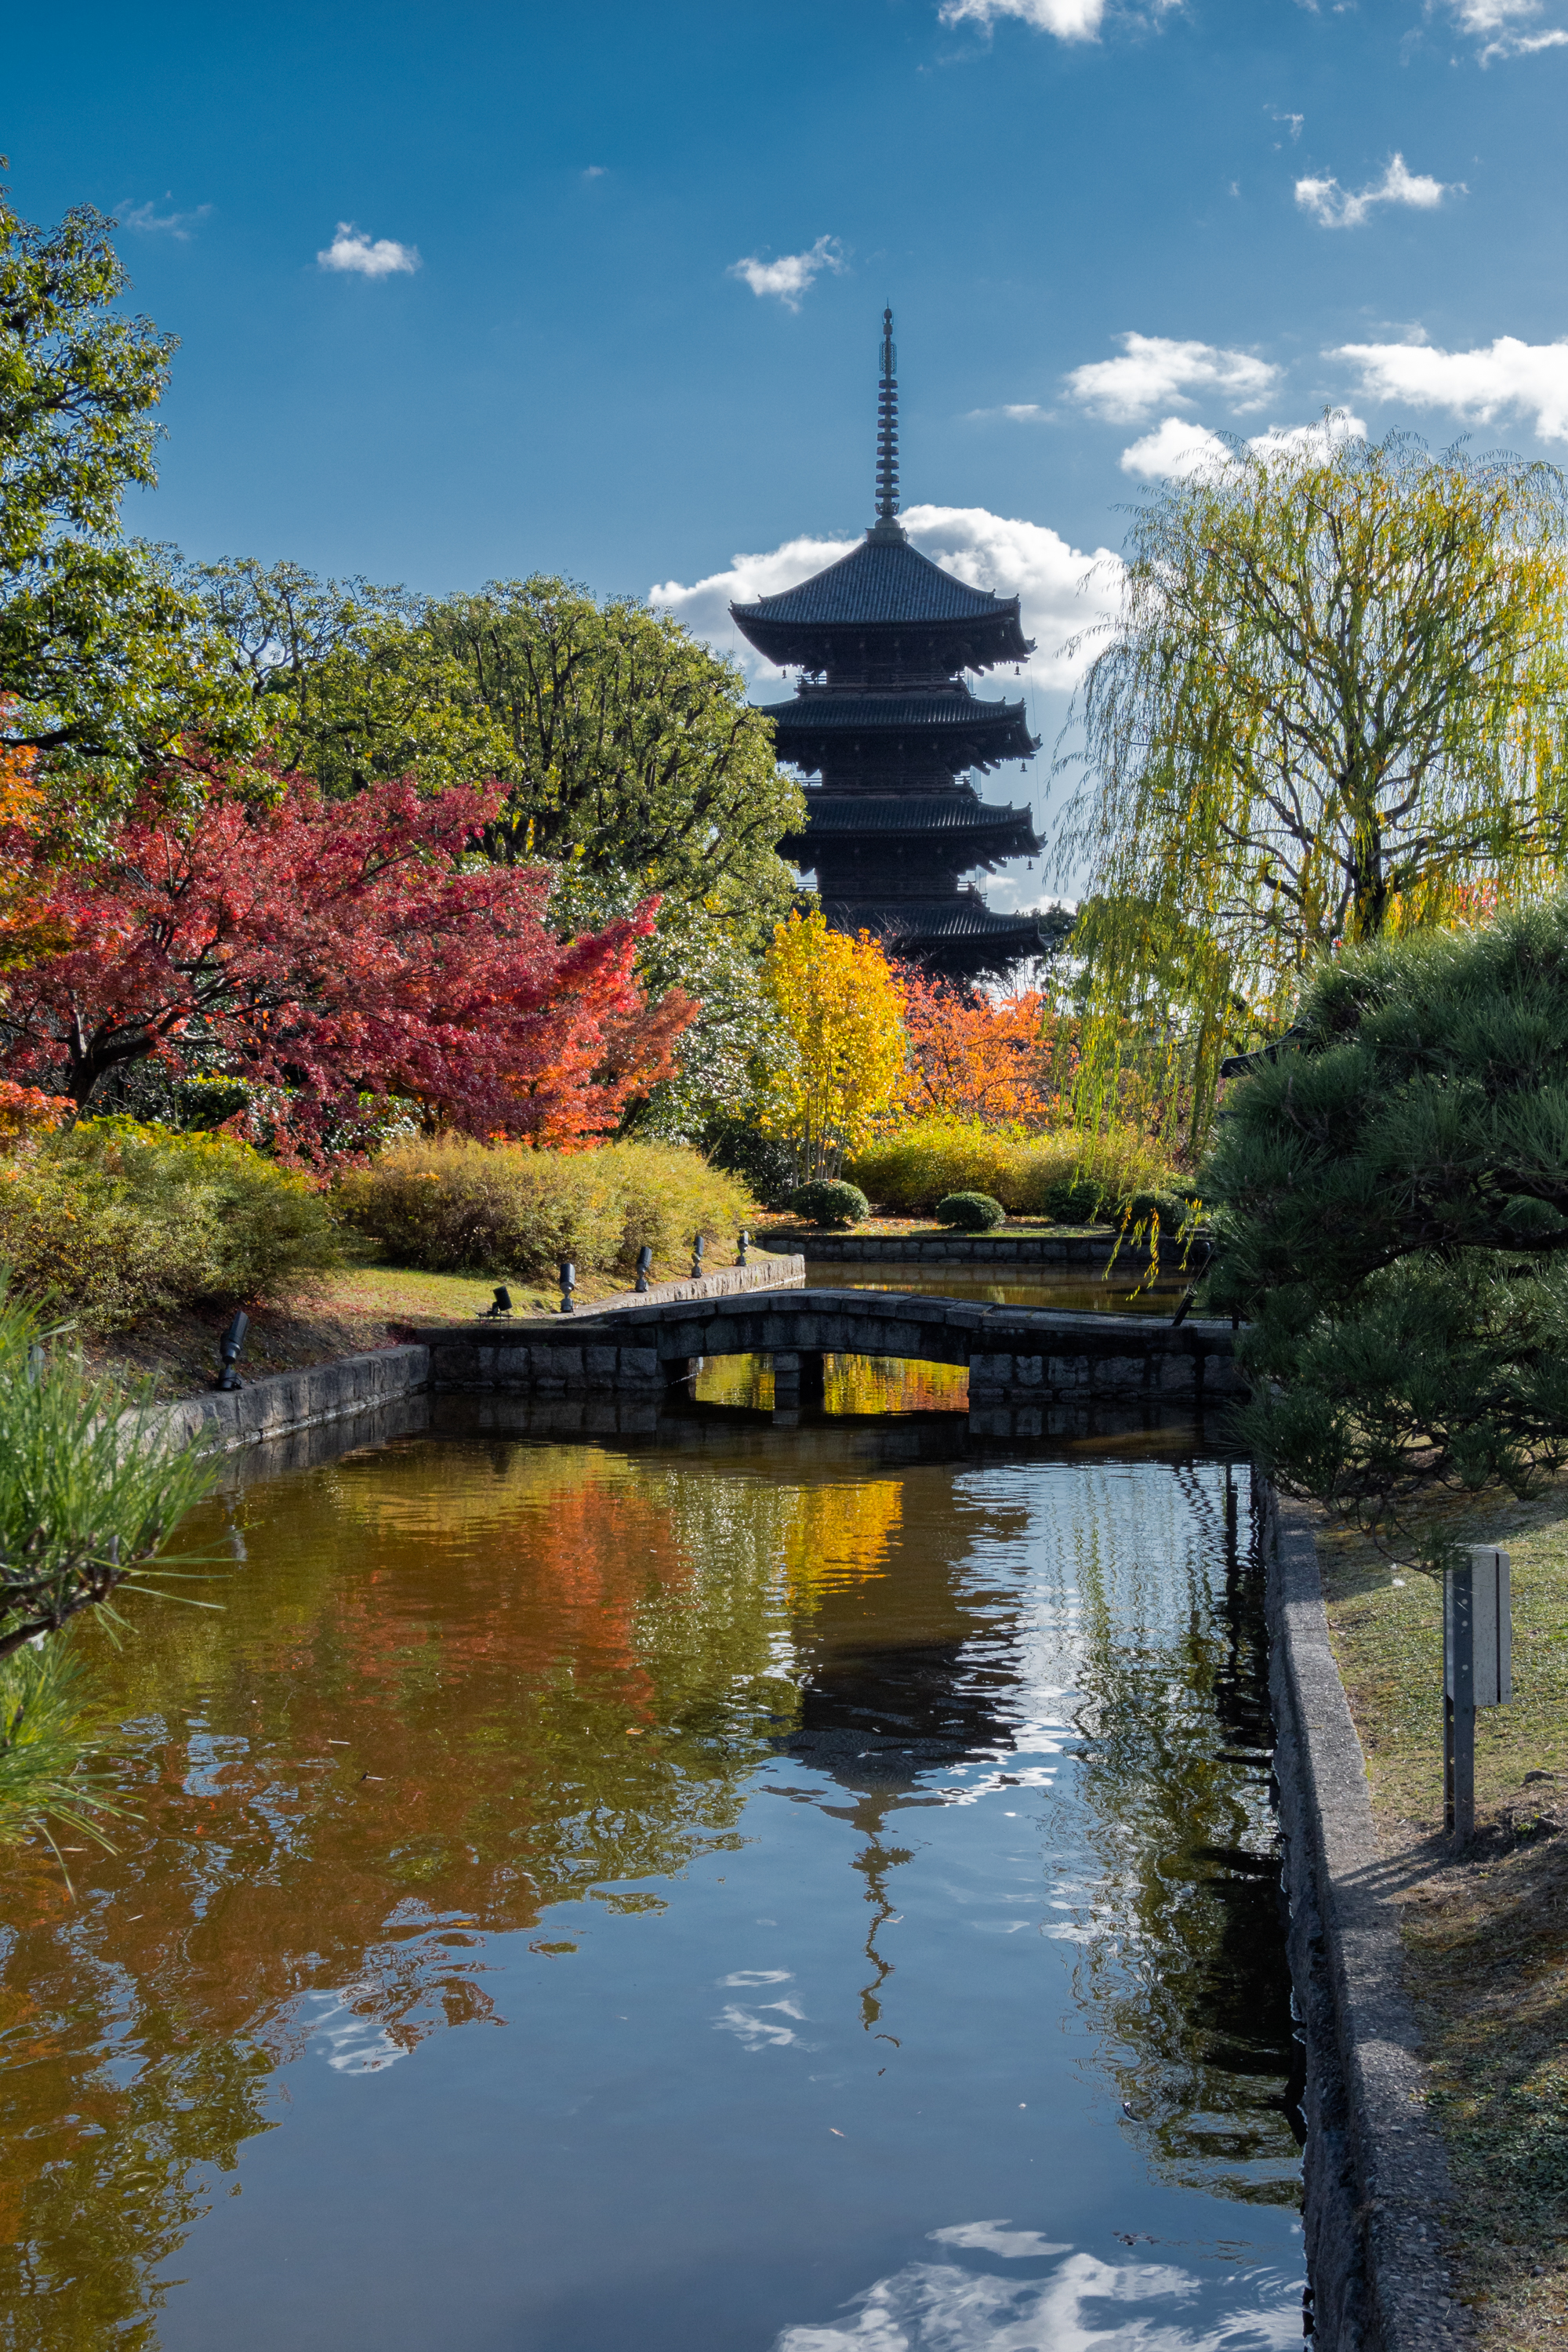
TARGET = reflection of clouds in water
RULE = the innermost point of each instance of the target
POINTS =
(352, 2044)
(755, 2028)
(936, 2307)
(998, 2238)
(1025, 1776)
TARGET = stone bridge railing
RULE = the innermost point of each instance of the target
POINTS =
(1029, 1368)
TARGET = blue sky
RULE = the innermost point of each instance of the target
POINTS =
(1105, 225)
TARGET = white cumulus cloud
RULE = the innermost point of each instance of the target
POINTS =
(1178, 448)
(1156, 370)
(1508, 28)
(1069, 20)
(1335, 207)
(152, 223)
(1175, 447)
(999, 552)
(792, 275)
(351, 250)
(1507, 378)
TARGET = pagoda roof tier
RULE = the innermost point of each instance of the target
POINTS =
(964, 731)
(917, 925)
(885, 604)
(995, 832)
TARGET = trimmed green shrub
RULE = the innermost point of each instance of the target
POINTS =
(971, 1213)
(453, 1205)
(111, 1221)
(1076, 1179)
(830, 1204)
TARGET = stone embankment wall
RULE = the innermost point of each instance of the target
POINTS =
(1091, 1249)
(1377, 2176)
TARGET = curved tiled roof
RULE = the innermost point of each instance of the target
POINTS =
(859, 711)
(923, 812)
(879, 581)
(961, 917)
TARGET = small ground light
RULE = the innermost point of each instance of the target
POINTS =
(568, 1285)
(741, 1250)
(644, 1266)
(229, 1348)
(1477, 1670)
(500, 1304)
(699, 1243)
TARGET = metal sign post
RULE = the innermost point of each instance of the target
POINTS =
(1477, 1670)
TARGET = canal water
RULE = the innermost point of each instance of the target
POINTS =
(1124, 1289)
(735, 1890)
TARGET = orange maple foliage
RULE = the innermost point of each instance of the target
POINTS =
(24, 931)
(1006, 1060)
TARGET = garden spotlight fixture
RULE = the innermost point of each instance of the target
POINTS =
(644, 1266)
(229, 1348)
(568, 1285)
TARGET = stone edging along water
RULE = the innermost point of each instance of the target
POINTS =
(1092, 1248)
(1376, 2175)
(281, 1402)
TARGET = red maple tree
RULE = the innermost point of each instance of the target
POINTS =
(335, 949)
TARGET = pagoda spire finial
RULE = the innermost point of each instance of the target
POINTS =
(887, 525)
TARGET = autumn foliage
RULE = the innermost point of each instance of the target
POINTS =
(333, 951)
(1008, 1061)
(840, 1066)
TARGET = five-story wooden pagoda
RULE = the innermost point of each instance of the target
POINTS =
(882, 715)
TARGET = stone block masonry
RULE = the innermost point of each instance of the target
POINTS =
(1023, 1362)
(957, 1250)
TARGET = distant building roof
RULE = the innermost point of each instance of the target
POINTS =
(965, 916)
(881, 579)
(885, 590)
(913, 812)
(958, 726)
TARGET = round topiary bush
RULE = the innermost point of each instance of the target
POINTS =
(1078, 1201)
(828, 1204)
(971, 1213)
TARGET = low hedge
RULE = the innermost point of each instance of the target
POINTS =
(455, 1206)
(114, 1220)
(1073, 1179)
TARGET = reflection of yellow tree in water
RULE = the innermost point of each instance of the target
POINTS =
(839, 1534)
(894, 1384)
(450, 1687)
(1181, 1963)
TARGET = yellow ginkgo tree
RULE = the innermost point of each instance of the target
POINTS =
(840, 1055)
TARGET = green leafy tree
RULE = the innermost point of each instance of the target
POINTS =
(1390, 1196)
(346, 679)
(1332, 706)
(104, 657)
(634, 760)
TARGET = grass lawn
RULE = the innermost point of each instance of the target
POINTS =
(1486, 1938)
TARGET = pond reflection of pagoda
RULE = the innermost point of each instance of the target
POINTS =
(883, 717)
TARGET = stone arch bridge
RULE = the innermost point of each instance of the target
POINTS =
(1031, 1370)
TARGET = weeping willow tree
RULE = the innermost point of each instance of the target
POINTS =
(1331, 708)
